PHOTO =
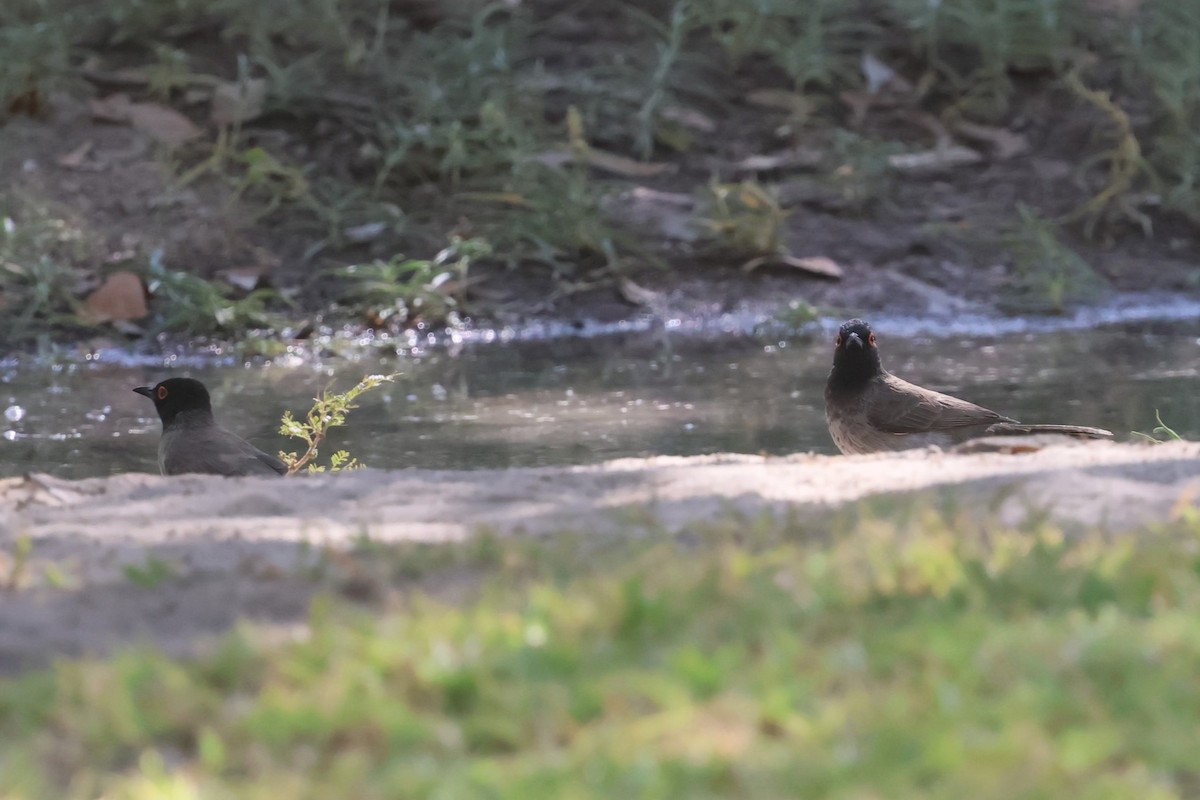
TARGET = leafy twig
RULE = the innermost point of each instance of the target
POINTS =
(328, 411)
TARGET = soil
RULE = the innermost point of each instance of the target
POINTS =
(226, 550)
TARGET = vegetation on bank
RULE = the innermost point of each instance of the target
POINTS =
(889, 651)
(378, 130)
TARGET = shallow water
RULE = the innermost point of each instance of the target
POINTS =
(573, 401)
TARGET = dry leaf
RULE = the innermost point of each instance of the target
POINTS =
(952, 156)
(689, 118)
(75, 158)
(620, 165)
(792, 102)
(635, 295)
(821, 266)
(603, 160)
(164, 125)
(793, 158)
(113, 108)
(366, 232)
(1005, 144)
(879, 75)
(235, 103)
(247, 279)
(121, 298)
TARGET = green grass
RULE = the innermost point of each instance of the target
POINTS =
(934, 656)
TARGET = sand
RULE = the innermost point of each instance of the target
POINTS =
(240, 549)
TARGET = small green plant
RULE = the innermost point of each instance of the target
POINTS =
(1161, 430)
(22, 549)
(1049, 273)
(328, 411)
(153, 572)
(190, 305)
(1124, 166)
(746, 218)
(403, 289)
(40, 246)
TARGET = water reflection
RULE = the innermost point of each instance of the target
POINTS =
(582, 401)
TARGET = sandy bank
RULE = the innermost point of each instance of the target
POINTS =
(236, 548)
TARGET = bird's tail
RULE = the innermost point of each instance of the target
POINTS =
(1076, 431)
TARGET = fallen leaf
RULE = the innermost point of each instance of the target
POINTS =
(620, 165)
(879, 75)
(164, 125)
(75, 158)
(787, 159)
(938, 158)
(1005, 144)
(634, 294)
(365, 232)
(235, 103)
(113, 108)
(603, 160)
(689, 118)
(121, 298)
(249, 277)
(821, 266)
(792, 102)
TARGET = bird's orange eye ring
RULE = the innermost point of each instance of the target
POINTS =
(871, 340)
(162, 393)
(838, 341)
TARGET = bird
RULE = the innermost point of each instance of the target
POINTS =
(868, 409)
(193, 442)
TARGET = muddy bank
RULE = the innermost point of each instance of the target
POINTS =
(138, 558)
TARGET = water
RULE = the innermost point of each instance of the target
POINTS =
(575, 401)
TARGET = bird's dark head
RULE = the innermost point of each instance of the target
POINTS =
(855, 354)
(176, 396)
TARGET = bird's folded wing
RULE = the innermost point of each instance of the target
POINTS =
(902, 407)
(225, 453)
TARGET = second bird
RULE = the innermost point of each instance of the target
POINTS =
(869, 409)
(193, 442)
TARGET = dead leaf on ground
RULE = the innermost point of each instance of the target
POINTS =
(634, 294)
(1005, 144)
(620, 165)
(938, 158)
(603, 160)
(113, 108)
(792, 102)
(821, 266)
(164, 125)
(75, 158)
(689, 118)
(133, 77)
(249, 277)
(121, 298)
(794, 158)
(238, 102)
(879, 76)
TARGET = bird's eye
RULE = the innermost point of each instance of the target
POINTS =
(871, 340)
(162, 393)
(838, 342)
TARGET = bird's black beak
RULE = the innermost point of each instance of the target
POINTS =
(145, 391)
(854, 339)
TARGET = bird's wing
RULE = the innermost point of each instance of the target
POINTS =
(219, 452)
(898, 406)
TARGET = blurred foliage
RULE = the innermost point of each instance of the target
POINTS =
(891, 650)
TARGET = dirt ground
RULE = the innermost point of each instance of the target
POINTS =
(175, 562)
(926, 241)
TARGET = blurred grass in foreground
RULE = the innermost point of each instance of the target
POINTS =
(926, 655)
